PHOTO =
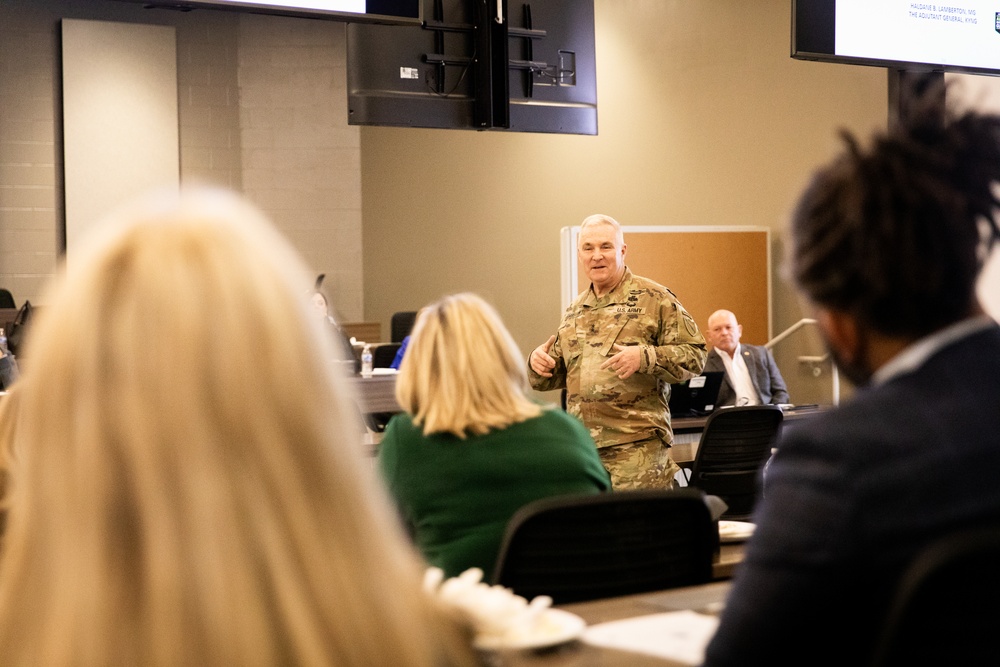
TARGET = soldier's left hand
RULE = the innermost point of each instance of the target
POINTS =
(626, 362)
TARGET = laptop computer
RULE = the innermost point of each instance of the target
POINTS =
(697, 396)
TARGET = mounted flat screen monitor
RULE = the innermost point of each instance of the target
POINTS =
(953, 35)
(535, 71)
(551, 66)
(354, 11)
(415, 76)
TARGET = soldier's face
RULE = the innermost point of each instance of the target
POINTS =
(602, 256)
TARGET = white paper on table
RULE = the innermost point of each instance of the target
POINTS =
(676, 635)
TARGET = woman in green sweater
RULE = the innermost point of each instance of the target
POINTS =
(472, 446)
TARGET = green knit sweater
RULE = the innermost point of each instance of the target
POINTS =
(456, 496)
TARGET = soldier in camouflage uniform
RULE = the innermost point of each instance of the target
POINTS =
(619, 347)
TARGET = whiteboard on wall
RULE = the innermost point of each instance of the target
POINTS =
(120, 120)
(707, 268)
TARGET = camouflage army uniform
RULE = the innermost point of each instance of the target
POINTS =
(631, 415)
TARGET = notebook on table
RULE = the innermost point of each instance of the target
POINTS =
(697, 396)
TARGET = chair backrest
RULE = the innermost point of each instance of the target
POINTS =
(383, 354)
(586, 547)
(401, 324)
(734, 446)
(944, 610)
(6, 299)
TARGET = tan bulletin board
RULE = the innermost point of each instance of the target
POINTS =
(708, 268)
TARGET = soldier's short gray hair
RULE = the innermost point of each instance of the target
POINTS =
(601, 219)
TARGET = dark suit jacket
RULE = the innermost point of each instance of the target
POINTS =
(850, 497)
(764, 373)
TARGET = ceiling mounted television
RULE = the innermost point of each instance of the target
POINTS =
(353, 11)
(957, 36)
(518, 66)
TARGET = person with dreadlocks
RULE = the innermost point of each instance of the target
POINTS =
(886, 244)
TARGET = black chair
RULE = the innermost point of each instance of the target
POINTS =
(587, 547)
(6, 299)
(945, 611)
(731, 454)
(401, 324)
(377, 421)
(384, 354)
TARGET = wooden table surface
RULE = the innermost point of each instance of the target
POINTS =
(707, 598)
(376, 393)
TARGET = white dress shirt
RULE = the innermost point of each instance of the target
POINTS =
(739, 377)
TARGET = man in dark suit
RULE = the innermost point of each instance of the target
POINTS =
(886, 243)
(752, 377)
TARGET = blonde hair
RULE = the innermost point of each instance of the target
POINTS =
(190, 488)
(462, 372)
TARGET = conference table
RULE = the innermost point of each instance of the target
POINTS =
(706, 599)
(378, 394)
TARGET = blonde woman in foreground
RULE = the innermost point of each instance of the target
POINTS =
(187, 486)
(472, 446)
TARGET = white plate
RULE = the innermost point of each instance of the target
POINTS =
(384, 371)
(554, 626)
(735, 531)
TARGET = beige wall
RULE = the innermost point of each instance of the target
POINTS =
(262, 108)
(31, 150)
(30, 158)
(703, 120)
(301, 161)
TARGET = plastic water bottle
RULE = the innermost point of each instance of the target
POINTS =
(367, 363)
(3, 342)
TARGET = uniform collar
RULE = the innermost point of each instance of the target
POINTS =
(614, 295)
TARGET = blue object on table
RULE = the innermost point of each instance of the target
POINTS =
(399, 353)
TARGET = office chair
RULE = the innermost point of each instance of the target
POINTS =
(6, 299)
(384, 354)
(731, 454)
(586, 547)
(944, 611)
(401, 324)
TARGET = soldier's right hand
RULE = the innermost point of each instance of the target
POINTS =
(540, 361)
